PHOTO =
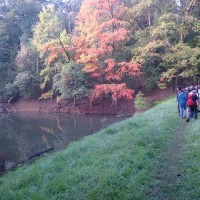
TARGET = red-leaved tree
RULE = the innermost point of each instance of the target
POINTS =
(100, 39)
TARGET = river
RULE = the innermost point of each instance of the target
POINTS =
(24, 136)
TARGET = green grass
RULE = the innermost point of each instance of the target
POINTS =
(157, 102)
(190, 183)
(116, 163)
(181, 179)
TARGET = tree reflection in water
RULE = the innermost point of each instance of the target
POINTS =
(26, 134)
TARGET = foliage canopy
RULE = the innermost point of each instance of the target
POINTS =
(104, 47)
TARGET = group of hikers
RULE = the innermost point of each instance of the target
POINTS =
(188, 102)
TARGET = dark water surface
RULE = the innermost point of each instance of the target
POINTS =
(26, 134)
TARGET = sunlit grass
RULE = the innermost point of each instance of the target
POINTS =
(116, 163)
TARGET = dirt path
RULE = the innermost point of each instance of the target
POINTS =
(170, 172)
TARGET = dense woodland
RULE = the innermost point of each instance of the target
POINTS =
(96, 48)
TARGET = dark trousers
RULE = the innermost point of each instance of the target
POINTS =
(192, 112)
(178, 109)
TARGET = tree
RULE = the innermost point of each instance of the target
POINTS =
(27, 84)
(182, 61)
(150, 56)
(26, 60)
(102, 34)
(72, 83)
(25, 15)
(173, 34)
(9, 46)
(50, 39)
(27, 79)
(70, 9)
(47, 29)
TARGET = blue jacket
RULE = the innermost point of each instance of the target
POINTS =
(182, 99)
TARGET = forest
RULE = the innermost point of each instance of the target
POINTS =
(96, 48)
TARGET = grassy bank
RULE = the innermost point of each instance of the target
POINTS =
(190, 177)
(116, 163)
(178, 173)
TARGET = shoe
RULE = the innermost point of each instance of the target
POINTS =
(187, 120)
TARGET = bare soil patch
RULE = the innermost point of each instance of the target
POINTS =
(103, 106)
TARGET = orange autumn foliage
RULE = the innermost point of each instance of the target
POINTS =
(54, 51)
(117, 91)
(101, 33)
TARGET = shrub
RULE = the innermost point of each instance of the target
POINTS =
(141, 102)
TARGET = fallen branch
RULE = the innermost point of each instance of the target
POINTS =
(40, 153)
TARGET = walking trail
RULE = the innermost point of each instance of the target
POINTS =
(170, 171)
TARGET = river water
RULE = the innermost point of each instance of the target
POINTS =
(26, 135)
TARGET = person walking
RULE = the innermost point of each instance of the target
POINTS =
(178, 92)
(192, 105)
(182, 101)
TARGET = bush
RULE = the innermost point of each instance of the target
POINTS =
(141, 102)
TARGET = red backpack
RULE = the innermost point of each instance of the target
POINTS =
(191, 100)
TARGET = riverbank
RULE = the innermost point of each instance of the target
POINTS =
(117, 163)
(103, 106)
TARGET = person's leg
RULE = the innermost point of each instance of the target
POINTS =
(178, 109)
(188, 113)
(192, 114)
(195, 112)
(184, 111)
(181, 111)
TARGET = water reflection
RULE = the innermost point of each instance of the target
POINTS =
(25, 134)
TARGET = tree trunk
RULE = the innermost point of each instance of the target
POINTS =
(63, 47)
(74, 102)
(37, 63)
(176, 81)
(181, 38)
(173, 85)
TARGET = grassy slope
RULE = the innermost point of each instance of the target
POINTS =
(178, 173)
(116, 163)
(190, 184)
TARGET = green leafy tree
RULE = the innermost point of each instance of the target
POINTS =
(25, 14)
(162, 47)
(9, 90)
(72, 83)
(182, 62)
(150, 56)
(47, 29)
(51, 41)
(9, 46)
(27, 80)
(27, 84)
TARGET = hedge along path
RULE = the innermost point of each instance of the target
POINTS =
(116, 163)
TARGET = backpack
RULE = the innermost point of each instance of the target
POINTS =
(192, 99)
